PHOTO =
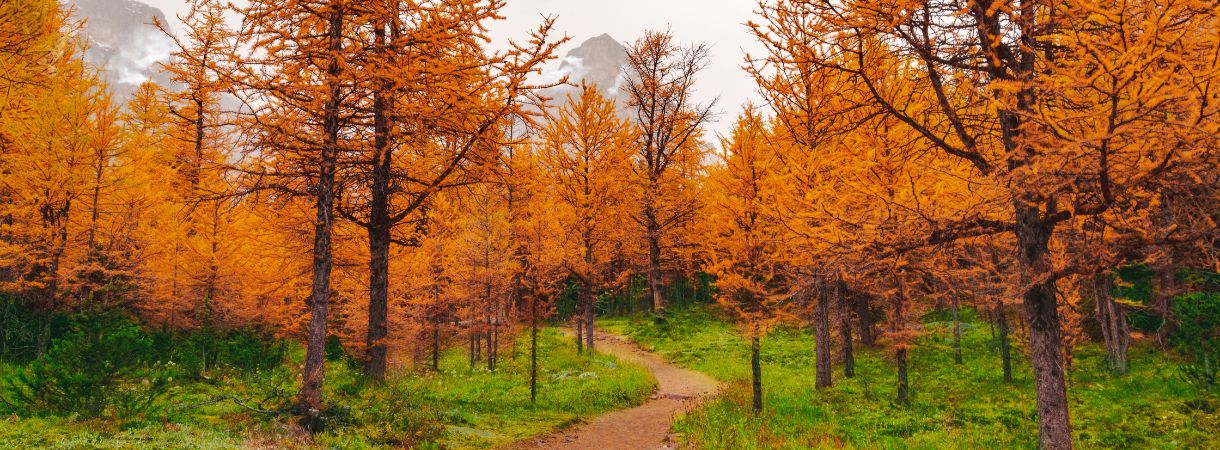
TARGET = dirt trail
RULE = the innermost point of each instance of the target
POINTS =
(642, 427)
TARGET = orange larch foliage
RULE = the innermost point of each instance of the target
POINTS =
(1038, 100)
(585, 154)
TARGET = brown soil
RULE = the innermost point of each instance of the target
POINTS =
(643, 427)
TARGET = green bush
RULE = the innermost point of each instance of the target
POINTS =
(248, 349)
(389, 415)
(1198, 316)
(105, 362)
(244, 349)
(1198, 333)
(20, 329)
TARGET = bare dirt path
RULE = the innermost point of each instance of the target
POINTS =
(643, 427)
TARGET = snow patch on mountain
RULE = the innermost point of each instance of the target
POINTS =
(123, 42)
(598, 61)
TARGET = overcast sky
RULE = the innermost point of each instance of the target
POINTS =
(717, 22)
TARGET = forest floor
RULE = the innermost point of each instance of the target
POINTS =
(643, 427)
(461, 407)
(954, 405)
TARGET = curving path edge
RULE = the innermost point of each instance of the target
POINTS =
(644, 427)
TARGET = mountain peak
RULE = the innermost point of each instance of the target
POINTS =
(598, 61)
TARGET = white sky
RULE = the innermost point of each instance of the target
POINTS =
(717, 22)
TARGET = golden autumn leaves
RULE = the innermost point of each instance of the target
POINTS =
(906, 153)
(1018, 145)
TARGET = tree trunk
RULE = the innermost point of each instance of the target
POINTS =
(310, 399)
(379, 229)
(315, 353)
(654, 267)
(471, 353)
(822, 344)
(865, 318)
(898, 323)
(1164, 289)
(957, 331)
(904, 385)
(588, 313)
(756, 371)
(580, 332)
(379, 285)
(436, 346)
(43, 343)
(844, 310)
(495, 343)
(491, 356)
(1005, 345)
(534, 350)
(51, 291)
(1113, 321)
(1045, 338)
(489, 313)
(1165, 281)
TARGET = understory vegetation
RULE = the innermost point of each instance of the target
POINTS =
(968, 405)
(108, 383)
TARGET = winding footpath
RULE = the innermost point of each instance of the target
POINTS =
(643, 427)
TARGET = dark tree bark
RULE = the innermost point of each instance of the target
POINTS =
(310, 398)
(533, 349)
(1113, 321)
(379, 285)
(1165, 280)
(494, 344)
(436, 346)
(822, 344)
(654, 260)
(580, 331)
(474, 351)
(1045, 336)
(957, 331)
(478, 346)
(489, 329)
(864, 316)
(1001, 319)
(756, 371)
(1165, 287)
(844, 310)
(57, 218)
(379, 228)
(897, 323)
(588, 313)
(43, 343)
(904, 385)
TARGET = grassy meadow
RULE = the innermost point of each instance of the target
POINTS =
(460, 407)
(953, 406)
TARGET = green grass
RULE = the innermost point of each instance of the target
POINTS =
(571, 387)
(954, 406)
(459, 407)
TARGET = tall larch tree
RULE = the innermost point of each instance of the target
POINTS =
(438, 100)
(745, 237)
(300, 94)
(660, 90)
(585, 151)
(202, 69)
(56, 129)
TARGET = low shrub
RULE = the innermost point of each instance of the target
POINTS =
(105, 362)
(1198, 334)
(244, 349)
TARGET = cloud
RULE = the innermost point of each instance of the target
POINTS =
(136, 61)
